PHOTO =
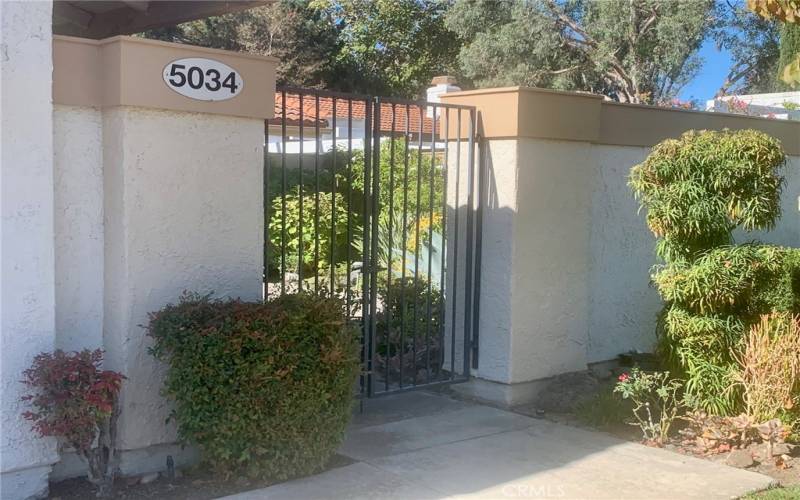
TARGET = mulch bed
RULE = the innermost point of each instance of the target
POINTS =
(195, 484)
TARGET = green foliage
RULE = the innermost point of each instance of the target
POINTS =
(776, 493)
(642, 51)
(400, 186)
(697, 190)
(389, 47)
(304, 39)
(743, 280)
(394, 47)
(753, 44)
(264, 389)
(408, 189)
(656, 401)
(789, 50)
(319, 228)
(638, 51)
(409, 329)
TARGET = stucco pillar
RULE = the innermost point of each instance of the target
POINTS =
(536, 226)
(180, 197)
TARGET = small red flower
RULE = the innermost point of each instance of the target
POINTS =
(623, 377)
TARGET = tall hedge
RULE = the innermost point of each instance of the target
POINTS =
(264, 389)
(697, 190)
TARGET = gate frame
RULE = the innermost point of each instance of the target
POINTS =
(372, 188)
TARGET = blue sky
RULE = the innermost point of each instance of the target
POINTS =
(711, 76)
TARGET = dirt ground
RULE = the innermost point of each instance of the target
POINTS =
(565, 394)
(197, 484)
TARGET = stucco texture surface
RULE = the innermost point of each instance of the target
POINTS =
(622, 305)
(183, 212)
(78, 164)
(550, 297)
(567, 256)
(497, 264)
(27, 286)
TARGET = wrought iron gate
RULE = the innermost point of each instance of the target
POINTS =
(378, 201)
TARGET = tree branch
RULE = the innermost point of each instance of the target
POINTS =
(734, 75)
(629, 87)
(564, 70)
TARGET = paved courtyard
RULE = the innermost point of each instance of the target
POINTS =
(423, 445)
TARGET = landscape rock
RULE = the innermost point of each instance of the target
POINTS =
(740, 459)
(781, 449)
(778, 449)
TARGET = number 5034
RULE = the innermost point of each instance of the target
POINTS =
(197, 78)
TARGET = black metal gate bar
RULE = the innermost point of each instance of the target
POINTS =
(476, 289)
(402, 312)
(431, 182)
(468, 269)
(366, 340)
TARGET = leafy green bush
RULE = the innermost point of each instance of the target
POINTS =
(423, 170)
(697, 190)
(413, 188)
(265, 389)
(316, 232)
(409, 328)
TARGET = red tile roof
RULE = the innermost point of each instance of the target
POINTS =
(343, 109)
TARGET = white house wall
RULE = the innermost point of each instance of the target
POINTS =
(27, 293)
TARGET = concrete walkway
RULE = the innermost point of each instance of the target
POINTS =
(422, 445)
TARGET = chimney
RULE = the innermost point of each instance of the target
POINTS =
(439, 85)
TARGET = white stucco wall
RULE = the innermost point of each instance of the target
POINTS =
(787, 230)
(27, 293)
(567, 257)
(550, 265)
(78, 163)
(183, 211)
(497, 269)
(622, 305)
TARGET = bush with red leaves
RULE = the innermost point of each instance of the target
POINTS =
(76, 401)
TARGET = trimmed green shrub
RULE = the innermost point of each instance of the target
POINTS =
(263, 389)
(416, 179)
(697, 190)
(316, 232)
(409, 328)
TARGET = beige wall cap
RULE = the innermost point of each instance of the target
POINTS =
(127, 71)
(511, 112)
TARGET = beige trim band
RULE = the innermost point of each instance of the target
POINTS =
(127, 71)
(511, 112)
